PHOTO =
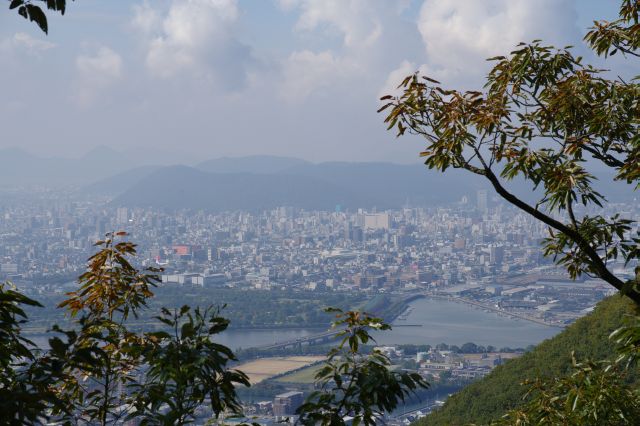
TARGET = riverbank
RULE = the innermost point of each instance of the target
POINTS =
(454, 322)
(498, 310)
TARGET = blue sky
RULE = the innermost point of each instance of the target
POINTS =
(185, 80)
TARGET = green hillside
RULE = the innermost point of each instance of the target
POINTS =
(491, 397)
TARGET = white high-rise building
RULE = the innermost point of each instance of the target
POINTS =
(122, 215)
(482, 200)
(377, 221)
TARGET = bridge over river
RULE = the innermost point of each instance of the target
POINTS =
(331, 334)
(314, 339)
(324, 337)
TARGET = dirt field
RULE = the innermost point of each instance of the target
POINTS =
(266, 368)
(306, 375)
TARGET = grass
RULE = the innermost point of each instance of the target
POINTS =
(266, 368)
(304, 376)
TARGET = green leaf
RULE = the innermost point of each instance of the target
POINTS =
(37, 15)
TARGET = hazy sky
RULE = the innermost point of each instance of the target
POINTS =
(186, 80)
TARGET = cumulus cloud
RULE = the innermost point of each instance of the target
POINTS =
(32, 43)
(459, 35)
(369, 31)
(195, 36)
(96, 72)
(145, 18)
(360, 22)
(27, 43)
(306, 71)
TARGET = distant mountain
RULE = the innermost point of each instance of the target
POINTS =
(251, 164)
(121, 182)
(352, 185)
(186, 187)
(387, 184)
(18, 167)
(305, 185)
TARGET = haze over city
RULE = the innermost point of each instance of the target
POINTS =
(319, 212)
(183, 81)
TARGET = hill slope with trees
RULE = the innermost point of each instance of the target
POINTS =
(488, 399)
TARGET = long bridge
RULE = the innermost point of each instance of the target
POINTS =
(324, 337)
(330, 335)
(314, 339)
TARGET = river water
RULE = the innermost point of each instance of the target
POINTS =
(458, 323)
(440, 322)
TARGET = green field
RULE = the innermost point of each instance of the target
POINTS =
(305, 375)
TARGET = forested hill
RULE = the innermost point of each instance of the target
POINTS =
(488, 399)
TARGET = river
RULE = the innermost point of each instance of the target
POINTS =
(457, 323)
(441, 322)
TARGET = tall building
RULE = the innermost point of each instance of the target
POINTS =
(122, 215)
(482, 200)
(357, 234)
(286, 404)
(9, 268)
(377, 221)
(101, 227)
(348, 229)
(496, 254)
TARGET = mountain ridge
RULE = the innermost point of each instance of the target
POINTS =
(178, 187)
(348, 185)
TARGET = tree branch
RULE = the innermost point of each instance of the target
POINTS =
(596, 261)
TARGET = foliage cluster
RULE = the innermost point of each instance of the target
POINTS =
(544, 117)
(244, 308)
(356, 388)
(100, 372)
(32, 10)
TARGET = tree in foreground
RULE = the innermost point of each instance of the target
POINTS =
(356, 388)
(593, 393)
(185, 367)
(102, 372)
(544, 117)
(111, 291)
(28, 376)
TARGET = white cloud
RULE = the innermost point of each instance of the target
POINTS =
(96, 73)
(372, 34)
(305, 72)
(26, 43)
(460, 34)
(195, 36)
(146, 19)
(359, 22)
(31, 43)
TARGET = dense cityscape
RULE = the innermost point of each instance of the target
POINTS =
(204, 217)
(475, 252)
(487, 255)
